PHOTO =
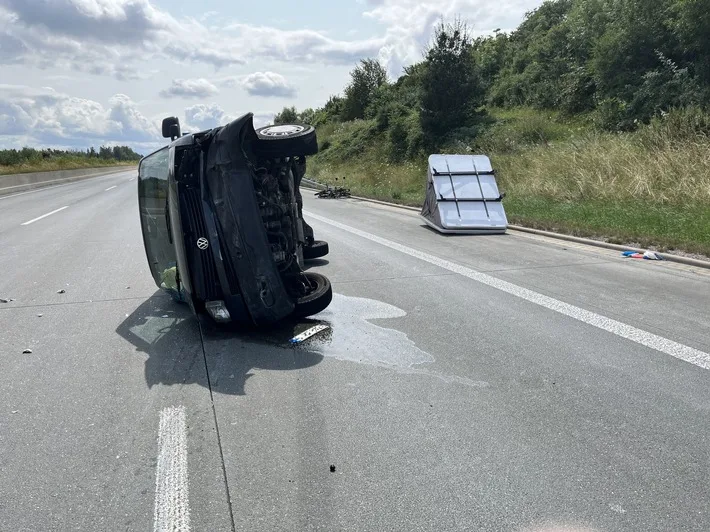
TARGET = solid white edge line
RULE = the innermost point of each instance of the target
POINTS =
(172, 508)
(647, 339)
(110, 188)
(45, 215)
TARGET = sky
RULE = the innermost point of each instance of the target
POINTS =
(80, 73)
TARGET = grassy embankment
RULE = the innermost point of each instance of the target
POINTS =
(650, 187)
(61, 163)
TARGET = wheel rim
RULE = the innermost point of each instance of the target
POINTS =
(281, 131)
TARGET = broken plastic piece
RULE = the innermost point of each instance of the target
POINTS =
(308, 333)
(61, 291)
(218, 311)
(27, 351)
(652, 255)
(648, 255)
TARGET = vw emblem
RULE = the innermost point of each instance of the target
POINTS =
(202, 243)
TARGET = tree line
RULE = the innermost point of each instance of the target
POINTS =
(29, 155)
(618, 63)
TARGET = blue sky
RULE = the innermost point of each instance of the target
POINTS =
(76, 73)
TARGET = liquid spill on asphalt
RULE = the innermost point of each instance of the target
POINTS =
(353, 337)
(350, 336)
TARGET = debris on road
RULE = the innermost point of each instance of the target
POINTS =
(6, 300)
(40, 315)
(308, 333)
(128, 288)
(27, 352)
(334, 193)
(648, 255)
(15, 411)
(332, 469)
(61, 291)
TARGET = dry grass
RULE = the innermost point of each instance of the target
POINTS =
(610, 167)
(650, 187)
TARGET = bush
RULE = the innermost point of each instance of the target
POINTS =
(450, 87)
(347, 140)
(514, 130)
(398, 137)
(612, 115)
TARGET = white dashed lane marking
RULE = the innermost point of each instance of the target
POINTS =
(172, 507)
(645, 338)
(45, 215)
(110, 188)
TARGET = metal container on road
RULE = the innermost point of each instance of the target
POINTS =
(462, 196)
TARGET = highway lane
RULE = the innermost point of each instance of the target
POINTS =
(444, 403)
(80, 415)
(21, 207)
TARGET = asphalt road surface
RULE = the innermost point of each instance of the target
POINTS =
(502, 383)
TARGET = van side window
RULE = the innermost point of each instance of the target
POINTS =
(152, 200)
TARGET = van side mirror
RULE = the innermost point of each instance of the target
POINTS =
(171, 127)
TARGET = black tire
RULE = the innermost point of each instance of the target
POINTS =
(286, 140)
(318, 249)
(317, 300)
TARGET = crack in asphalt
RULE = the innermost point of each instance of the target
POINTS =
(86, 302)
(216, 425)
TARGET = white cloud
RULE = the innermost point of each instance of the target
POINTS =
(190, 88)
(263, 119)
(409, 23)
(136, 39)
(82, 34)
(268, 84)
(127, 122)
(300, 45)
(45, 117)
(77, 33)
(208, 15)
(206, 116)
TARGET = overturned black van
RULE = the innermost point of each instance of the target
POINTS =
(221, 215)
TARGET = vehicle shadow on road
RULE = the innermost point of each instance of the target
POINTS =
(315, 263)
(462, 234)
(179, 347)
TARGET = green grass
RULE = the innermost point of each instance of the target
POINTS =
(63, 163)
(664, 227)
(650, 188)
